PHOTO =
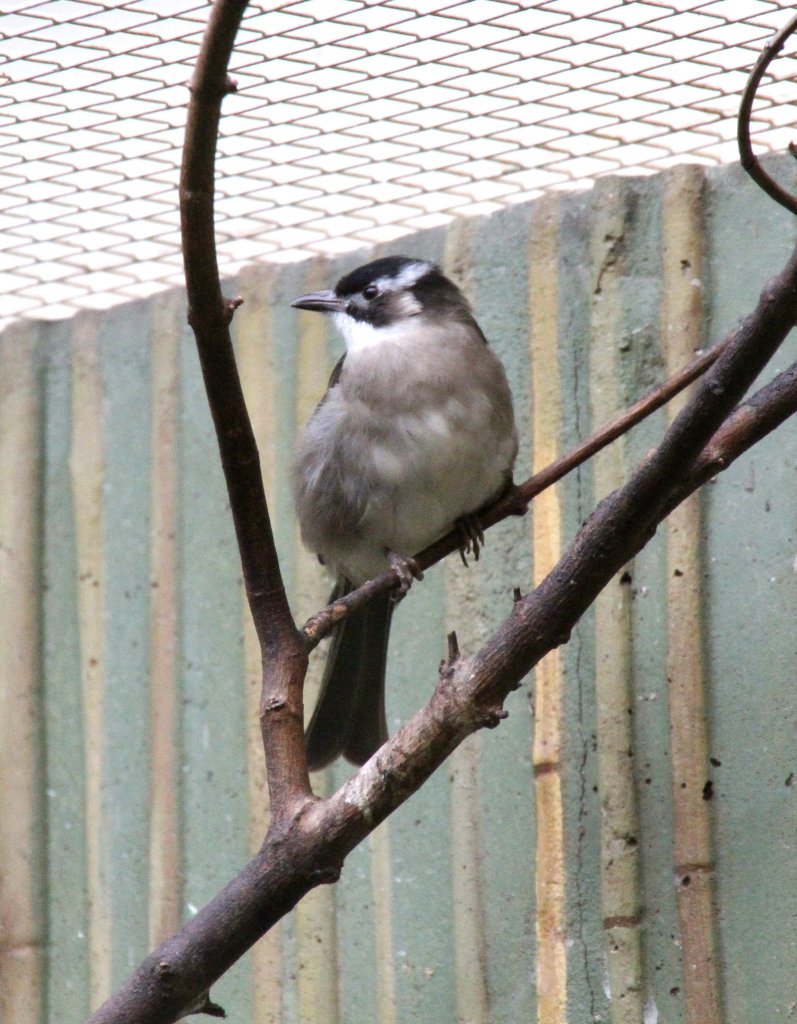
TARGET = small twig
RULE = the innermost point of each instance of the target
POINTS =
(324, 621)
(640, 410)
(749, 160)
(205, 1005)
(453, 648)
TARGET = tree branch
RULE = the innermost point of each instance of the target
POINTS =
(756, 417)
(625, 520)
(749, 160)
(310, 848)
(284, 655)
(309, 839)
(324, 621)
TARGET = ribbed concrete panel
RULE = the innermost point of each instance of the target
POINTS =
(621, 849)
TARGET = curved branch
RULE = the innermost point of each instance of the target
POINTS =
(749, 160)
(284, 656)
(324, 621)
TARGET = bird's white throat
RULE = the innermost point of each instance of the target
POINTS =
(360, 335)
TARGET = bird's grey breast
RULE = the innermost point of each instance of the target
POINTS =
(415, 434)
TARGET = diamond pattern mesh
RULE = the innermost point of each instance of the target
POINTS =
(355, 122)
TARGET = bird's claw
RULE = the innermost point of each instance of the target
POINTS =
(407, 570)
(471, 538)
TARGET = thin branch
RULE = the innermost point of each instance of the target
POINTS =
(284, 655)
(756, 417)
(750, 422)
(749, 160)
(624, 521)
(324, 621)
(209, 315)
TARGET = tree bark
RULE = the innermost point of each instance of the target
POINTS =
(309, 839)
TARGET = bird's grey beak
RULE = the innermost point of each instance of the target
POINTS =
(322, 302)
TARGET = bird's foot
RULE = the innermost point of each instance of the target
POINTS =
(471, 538)
(407, 570)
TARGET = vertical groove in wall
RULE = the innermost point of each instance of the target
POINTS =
(255, 354)
(21, 809)
(316, 925)
(682, 331)
(382, 888)
(462, 613)
(87, 468)
(317, 956)
(164, 824)
(549, 676)
(613, 675)
(473, 1006)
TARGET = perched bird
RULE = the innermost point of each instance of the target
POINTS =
(415, 434)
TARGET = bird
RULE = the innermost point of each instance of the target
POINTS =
(414, 436)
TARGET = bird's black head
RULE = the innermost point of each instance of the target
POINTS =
(396, 288)
(388, 291)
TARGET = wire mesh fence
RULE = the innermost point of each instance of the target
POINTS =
(354, 122)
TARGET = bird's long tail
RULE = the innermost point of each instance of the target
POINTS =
(349, 718)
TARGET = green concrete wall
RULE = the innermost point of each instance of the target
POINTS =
(622, 849)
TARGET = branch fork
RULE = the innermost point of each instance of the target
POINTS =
(308, 838)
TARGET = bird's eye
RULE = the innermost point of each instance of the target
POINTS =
(370, 291)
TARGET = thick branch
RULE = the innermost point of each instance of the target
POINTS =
(310, 849)
(309, 839)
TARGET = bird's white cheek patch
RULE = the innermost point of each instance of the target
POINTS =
(406, 305)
